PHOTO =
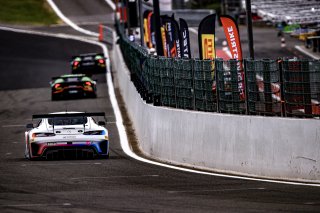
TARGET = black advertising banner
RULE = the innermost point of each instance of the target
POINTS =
(206, 36)
(176, 38)
(172, 36)
(170, 42)
(231, 31)
(184, 39)
(133, 13)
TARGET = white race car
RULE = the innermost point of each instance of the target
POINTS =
(65, 135)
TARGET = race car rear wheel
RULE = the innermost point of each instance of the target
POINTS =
(54, 97)
(94, 95)
(103, 156)
(27, 153)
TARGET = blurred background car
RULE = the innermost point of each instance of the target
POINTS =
(89, 63)
(73, 86)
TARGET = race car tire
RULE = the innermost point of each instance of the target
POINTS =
(90, 95)
(29, 154)
(54, 98)
(104, 156)
(26, 156)
(94, 95)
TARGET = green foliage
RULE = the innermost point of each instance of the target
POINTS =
(36, 12)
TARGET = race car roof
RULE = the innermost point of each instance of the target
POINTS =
(68, 114)
(90, 54)
(70, 76)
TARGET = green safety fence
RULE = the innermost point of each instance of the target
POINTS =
(301, 87)
(266, 87)
(203, 85)
(183, 78)
(230, 88)
(263, 87)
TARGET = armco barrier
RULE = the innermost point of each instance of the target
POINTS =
(272, 147)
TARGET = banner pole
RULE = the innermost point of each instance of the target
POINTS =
(141, 23)
(249, 28)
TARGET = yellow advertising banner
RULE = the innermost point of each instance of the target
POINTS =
(145, 26)
(208, 48)
(164, 41)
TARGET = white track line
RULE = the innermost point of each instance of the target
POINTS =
(68, 21)
(123, 135)
(306, 52)
(111, 4)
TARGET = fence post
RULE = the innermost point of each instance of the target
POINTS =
(267, 85)
(246, 86)
(235, 86)
(157, 82)
(282, 95)
(220, 85)
(193, 84)
(215, 82)
(173, 71)
(306, 87)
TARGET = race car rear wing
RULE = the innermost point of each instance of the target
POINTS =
(66, 115)
(87, 54)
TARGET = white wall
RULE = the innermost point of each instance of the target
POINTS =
(280, 148)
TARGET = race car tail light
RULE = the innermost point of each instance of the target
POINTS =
(97, 132)
(76, 63)
(101, 61)
(43, 134)
(57, 86)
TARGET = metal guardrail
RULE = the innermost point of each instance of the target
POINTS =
(286, 87)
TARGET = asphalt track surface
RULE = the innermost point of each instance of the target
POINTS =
(119, 184)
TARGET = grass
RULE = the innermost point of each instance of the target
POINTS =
(34, 12)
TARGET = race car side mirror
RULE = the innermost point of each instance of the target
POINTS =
(29, 126)
(101, 123)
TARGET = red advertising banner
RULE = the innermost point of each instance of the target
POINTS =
(149, 29)
(146, 31)
(232, 34)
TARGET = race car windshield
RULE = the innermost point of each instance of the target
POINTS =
(67, 121)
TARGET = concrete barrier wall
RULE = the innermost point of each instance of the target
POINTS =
(280, 148)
